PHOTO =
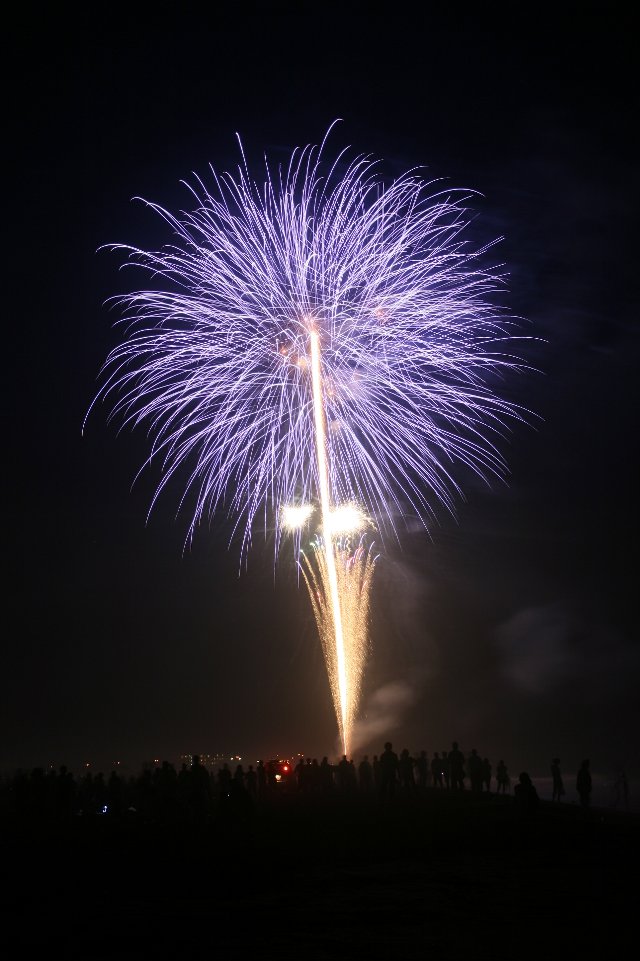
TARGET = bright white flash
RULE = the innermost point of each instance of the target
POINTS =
(347, 519)
(294, 518)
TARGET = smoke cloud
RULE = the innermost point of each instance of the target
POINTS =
(384, 712)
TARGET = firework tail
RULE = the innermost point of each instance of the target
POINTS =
(330, 560)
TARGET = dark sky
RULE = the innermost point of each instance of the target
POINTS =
(513, 627)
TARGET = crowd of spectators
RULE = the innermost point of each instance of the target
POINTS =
(193, 792)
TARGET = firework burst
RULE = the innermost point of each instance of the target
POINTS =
(320, 338)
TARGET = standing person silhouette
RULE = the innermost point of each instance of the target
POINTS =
(407, 778)
(584, 784)
(486, 774)
(422, 767)
(436, 771)
(502, 778)
(262, 780)
(456, 767)
(446, 769)
(621, 788)
(389, 766)
(558, 785)
(525, 795)
(365, 775)
(475, 771)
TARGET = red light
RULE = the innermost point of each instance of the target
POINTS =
(286, 767)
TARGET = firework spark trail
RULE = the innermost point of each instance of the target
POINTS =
(332, 576)
(354, 569)
(217, 357)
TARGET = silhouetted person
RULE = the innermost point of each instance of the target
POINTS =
(446, 769)
(352, 778)
(621, 789)
(299, 774)
(525, 794)
(456, 767)
(87, 799)
(436, 771)
(388, 772)
(376, 773)
(239, 804)
(486, 774)
(166, 786)
(343, 775)
(315, 776)
(365, 775)
(200, 790)
(262, 780)
(251, 781)
(422, 767)
(475, 771)
(66, 794)
(307, 777)
(326, 776)
(183, 790)
(502, 778)
(558, 786)
(224, 782)
(405, 769)
(583, 784)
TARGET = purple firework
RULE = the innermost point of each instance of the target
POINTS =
(217, 359)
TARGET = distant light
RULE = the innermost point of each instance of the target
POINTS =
(294, 518)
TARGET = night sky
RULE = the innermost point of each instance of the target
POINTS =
(511, 628)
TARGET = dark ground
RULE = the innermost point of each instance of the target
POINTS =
(465, 877)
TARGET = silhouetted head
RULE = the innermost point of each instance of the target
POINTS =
(455, 745)
(524, 778)
(387, 746)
